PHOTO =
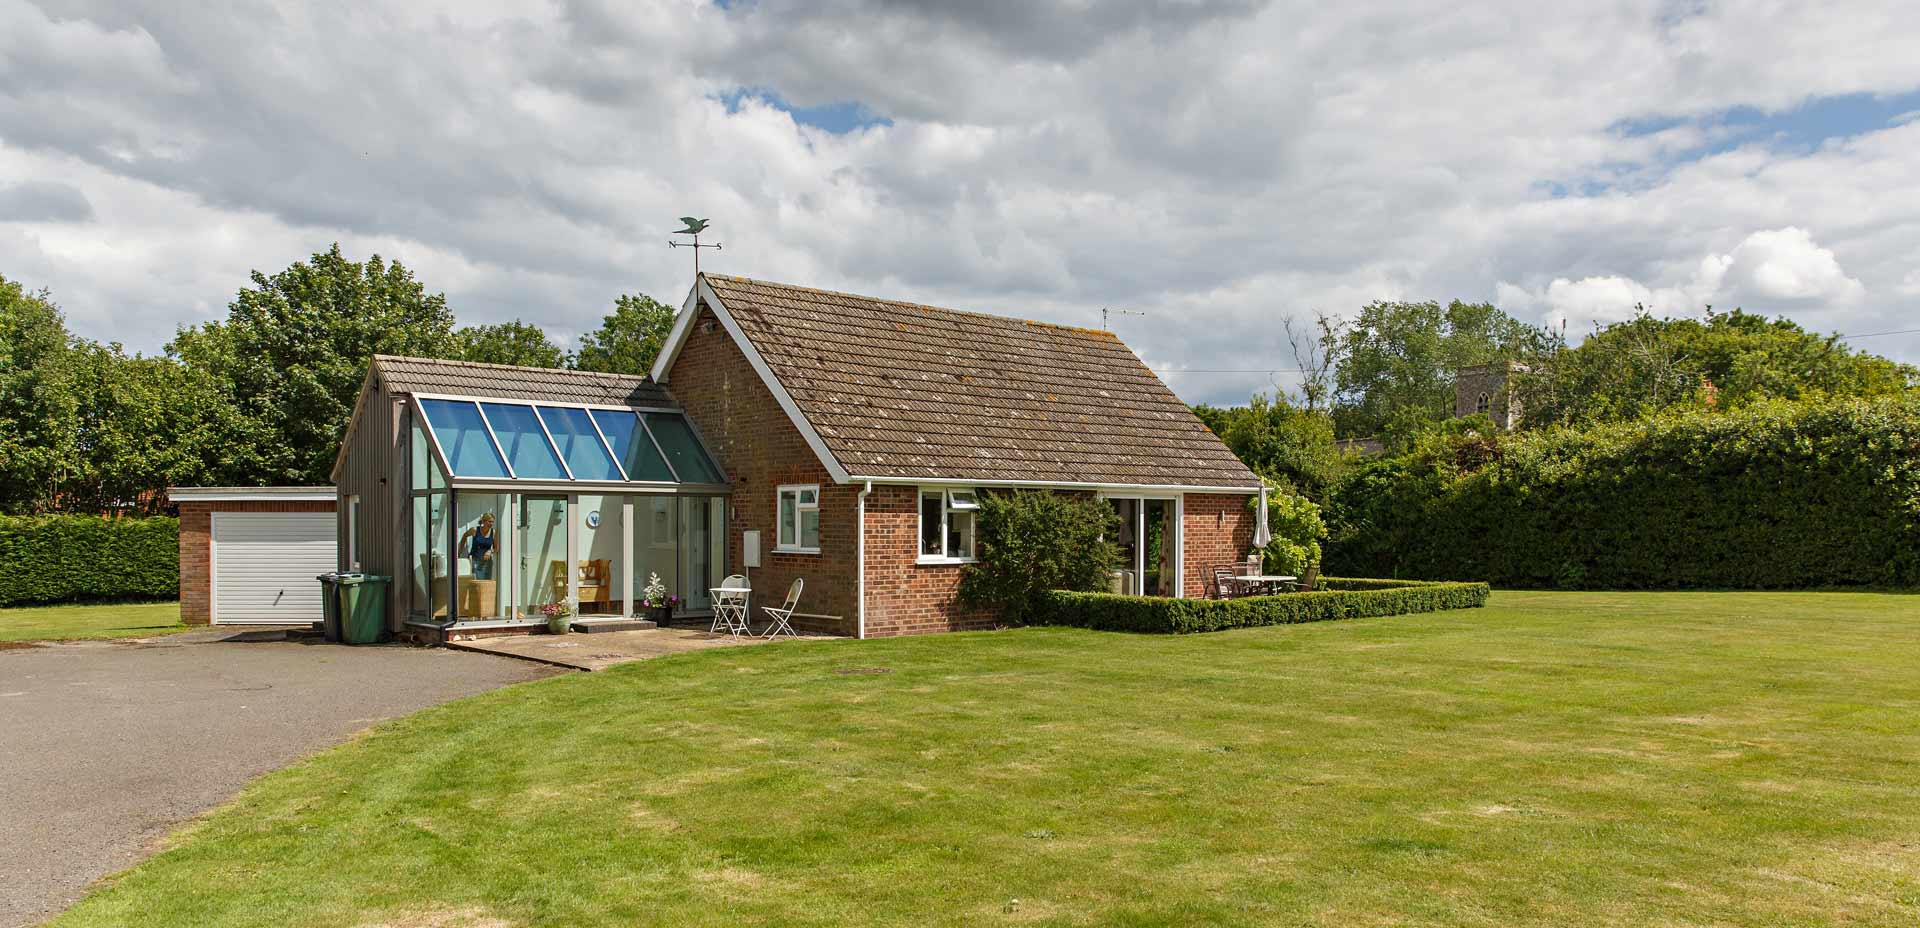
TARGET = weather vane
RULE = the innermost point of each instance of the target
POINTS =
(694, 228)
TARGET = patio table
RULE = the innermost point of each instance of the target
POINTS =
(730, 610)
(1267, 583)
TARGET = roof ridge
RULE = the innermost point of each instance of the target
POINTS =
(912, 305)
(488, 365)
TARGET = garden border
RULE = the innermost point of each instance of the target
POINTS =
(1338, 598)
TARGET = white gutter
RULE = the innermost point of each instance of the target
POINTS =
(252, 494)
(1052, 485)
(860, 560)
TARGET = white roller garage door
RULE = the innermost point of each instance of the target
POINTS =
(264, 564)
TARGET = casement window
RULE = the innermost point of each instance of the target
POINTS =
(799, 509)
(353, 532)
(947, 525)
(1483, 404)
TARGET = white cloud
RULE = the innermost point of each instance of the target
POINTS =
(1770, 269)
(1219, 165)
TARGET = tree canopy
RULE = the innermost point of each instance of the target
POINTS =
(522, 344)
(1396, 361)
(292, 354)
(629, 339)
(1728, 360)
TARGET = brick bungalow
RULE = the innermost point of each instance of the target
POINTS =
(851, 435)
(893, 414)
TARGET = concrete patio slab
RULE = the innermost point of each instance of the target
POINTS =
(606, 649)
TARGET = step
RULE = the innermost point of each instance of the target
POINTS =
(611, 624)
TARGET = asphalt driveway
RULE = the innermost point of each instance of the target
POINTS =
(106, 746)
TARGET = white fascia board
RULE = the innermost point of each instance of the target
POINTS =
(944, 482)
(252, 494)
(677, 336)
(774, 386)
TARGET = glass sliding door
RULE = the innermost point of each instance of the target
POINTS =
(703, 552)
(603, 561)
(1149, 543)
(542, 543)
(485, 542)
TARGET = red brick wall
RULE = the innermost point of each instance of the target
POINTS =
(903, 597)
(760, 450)
(196, 549)
(1218, 529)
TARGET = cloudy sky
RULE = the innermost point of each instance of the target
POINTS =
(1218, 165)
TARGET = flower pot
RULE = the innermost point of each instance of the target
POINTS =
(662, 615)
(560, 624)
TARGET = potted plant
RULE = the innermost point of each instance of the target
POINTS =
(559, 616)
(656, 600)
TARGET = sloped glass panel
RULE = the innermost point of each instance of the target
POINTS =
(630, 442)
(463, 438)
(683, 450)
(579, 444)
(518, 430)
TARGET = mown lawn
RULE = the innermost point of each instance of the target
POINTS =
(1554, 759)
(111, 620)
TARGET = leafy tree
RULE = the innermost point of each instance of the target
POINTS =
(37, 403)
(1727, 361)
(522, 344)
(143, 425)
(629, 339)
(1397, 362)
(1032, 541)
(291, 356)
(1282, 442)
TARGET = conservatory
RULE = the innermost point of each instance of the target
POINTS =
(516, 504)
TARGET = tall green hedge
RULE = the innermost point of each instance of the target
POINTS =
(1776, 496)
(1336, 599)
(50, 559)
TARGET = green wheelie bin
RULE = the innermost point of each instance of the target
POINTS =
(363, 607)
(330, 605)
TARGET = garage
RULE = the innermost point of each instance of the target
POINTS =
(264, 563)
(249, 555)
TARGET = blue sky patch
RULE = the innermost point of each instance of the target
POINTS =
(837, 118)
(1803, 127)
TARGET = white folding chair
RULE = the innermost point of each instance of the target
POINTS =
(730, 607)
(782, 615)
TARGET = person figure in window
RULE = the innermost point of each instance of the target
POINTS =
(481, 549)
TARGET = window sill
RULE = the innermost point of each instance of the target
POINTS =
(796, 550)
(930, 560)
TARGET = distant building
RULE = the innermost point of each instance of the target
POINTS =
(1487, 389)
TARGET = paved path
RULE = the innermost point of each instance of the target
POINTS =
(105, 747)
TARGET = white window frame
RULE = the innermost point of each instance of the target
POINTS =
(952, 500)
(781, 545)
(353, 532)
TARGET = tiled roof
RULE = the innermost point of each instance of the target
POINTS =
(553, 385)
(908, 391)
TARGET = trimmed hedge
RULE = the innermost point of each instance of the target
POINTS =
(51, 559)
(1779, 495)
(1340, 599)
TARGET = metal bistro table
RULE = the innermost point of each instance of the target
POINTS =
(1267, 584)
(730, 610)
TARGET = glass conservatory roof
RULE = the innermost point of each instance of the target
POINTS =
(486, 438)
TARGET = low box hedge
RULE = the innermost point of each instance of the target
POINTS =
(1338, 598)
(53, 559)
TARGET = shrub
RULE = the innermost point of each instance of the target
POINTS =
(1343, 599)
(1295, 524)
(1032, 541)
(1778, 495)
(48, 559)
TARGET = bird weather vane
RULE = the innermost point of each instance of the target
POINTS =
(694, 228)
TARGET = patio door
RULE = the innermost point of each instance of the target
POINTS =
(1149, 545)
(544, 571)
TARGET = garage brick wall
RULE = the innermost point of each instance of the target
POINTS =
(196, 548)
